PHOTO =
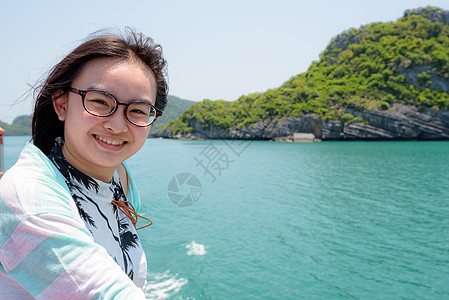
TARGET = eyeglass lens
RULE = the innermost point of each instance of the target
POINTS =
(100, 104)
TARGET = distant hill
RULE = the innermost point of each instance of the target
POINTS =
(176, 106)
(380, 81)
(22, 124)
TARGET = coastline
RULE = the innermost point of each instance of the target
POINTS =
(399, 123)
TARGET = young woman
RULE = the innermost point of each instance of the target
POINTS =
(67, 221)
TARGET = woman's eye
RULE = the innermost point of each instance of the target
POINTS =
(138, 111)
(99, 101)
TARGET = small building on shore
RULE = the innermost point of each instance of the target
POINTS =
(300, 137)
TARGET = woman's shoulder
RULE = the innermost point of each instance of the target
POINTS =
(32, 163)
(34, 186)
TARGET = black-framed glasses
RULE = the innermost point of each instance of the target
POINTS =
(102, 104)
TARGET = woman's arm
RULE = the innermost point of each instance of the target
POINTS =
(53, 257)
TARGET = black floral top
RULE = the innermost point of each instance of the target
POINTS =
(109, 226)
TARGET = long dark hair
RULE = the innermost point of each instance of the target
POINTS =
(128, 46)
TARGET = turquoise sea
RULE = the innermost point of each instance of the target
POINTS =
(265, 220)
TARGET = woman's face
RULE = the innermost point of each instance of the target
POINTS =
(97, 145)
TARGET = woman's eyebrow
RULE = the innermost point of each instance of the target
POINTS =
(106, 90)
(97, 89)
(142, 100)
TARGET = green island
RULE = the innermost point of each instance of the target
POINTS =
(382, 81)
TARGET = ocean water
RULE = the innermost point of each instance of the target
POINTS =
(264, 220)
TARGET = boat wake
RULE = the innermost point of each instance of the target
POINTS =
(163, 285)
(194, 248)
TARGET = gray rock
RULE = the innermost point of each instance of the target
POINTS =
(434, 15)
(436, 81)
(401, 122)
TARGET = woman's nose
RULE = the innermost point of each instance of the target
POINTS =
(117, 122)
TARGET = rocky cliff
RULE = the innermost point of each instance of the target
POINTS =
(400, 122)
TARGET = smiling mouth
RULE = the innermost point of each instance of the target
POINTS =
(109, 142)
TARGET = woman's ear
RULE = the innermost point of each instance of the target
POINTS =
(59, 99)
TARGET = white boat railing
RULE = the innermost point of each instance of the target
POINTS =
(2, 158)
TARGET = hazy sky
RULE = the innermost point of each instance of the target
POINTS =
(215, 49)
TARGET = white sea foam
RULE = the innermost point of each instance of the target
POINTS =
(163, 285)
(195, 249)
